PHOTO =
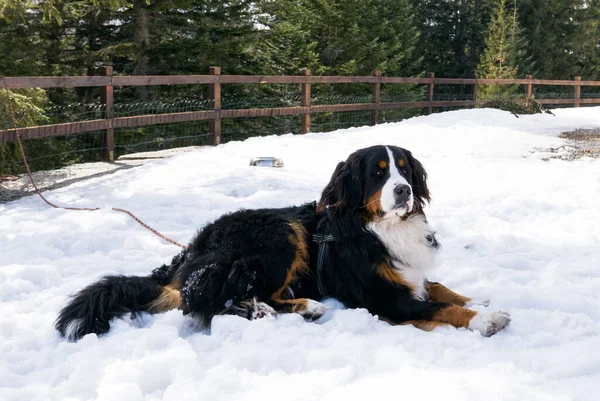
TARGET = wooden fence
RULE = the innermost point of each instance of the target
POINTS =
(107, 81)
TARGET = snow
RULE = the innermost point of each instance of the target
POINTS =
(519, 230)
(19, 186)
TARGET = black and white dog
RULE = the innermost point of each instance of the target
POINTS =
(367, 243)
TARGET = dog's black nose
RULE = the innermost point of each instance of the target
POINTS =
(402, 190)
(402, 193)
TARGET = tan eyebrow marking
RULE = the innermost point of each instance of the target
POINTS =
(382, 164)
(401, 162)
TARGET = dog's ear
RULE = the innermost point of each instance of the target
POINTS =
(329, 195)
(419, 180)
(345, 187)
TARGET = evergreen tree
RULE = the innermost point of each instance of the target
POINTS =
(288, 40)
(499, 60)
(562, 34)
(586, 42)
(353, 37)
(452, 35)
(555, 39)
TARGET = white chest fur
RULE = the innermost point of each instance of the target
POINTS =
(409, 243)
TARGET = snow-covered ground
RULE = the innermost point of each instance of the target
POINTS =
(18, 186)
(520, 230)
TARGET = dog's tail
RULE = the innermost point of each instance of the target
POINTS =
(91, 309)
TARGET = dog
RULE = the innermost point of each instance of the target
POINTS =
(366, 242)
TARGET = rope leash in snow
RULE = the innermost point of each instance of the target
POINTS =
(146, 226)
(37, 190)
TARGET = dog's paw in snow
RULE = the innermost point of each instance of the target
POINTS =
(251, 309)
(261, 310)
(489, 323)
(313, 311)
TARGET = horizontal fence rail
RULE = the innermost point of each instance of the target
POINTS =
(143, 80)
(107, 81)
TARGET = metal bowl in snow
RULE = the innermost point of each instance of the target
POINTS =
(266, 162)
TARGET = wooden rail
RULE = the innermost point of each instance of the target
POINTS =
(107, 81)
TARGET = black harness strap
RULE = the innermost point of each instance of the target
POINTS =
(322, 240)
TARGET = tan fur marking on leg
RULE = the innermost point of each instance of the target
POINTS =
(425, 325)
(170, 298)
(297, 305)
(439, 293)
(300, 263)
(454, 315)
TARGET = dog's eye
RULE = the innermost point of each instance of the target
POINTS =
(404, 172)
(379, 172)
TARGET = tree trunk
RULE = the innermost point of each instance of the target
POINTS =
(141, 41)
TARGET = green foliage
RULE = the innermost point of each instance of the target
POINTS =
(562, 37)
(27, 105)
(354, 37)
(499, 59)
(529, 106)
(586, 42)
(554, 39)
(452, 35)
(349, 38)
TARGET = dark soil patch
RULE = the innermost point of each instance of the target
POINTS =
(581, 143)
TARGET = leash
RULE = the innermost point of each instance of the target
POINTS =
(37, 190)
(322, 240)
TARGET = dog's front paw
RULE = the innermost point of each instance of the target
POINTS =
(478, 302)
(489, 323)
(313, 311)
(262, 310)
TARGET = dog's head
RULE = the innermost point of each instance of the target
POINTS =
(380, 181)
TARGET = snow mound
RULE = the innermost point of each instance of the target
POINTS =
(515, 228)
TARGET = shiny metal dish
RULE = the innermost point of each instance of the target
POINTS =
(266, 162)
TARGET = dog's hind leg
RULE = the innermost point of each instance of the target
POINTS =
(220, 287)
(251, 309)
(309, 309)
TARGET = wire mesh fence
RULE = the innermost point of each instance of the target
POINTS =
(327, 122)
(58, 151)
(161, 137)
(51, 153)
(241, 129)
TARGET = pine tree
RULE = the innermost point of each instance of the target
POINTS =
(287, 41)
(562, 37)
(499, 60)
(452, 35)
(586, 42)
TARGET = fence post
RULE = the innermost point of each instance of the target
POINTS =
(214, 94)
(528, 88)
(376, 98)
(475, 90)
(305, 103)
(430, 91)
(577, 91)
(106, 97)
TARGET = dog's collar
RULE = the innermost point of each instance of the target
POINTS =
(322, 240)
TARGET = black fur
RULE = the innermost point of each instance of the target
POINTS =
(93, 307)
(247, 255)
(418, 179)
